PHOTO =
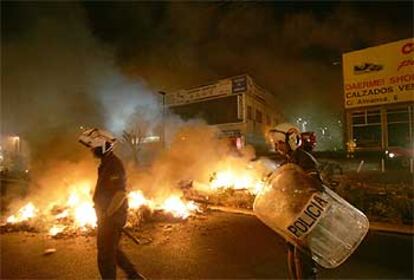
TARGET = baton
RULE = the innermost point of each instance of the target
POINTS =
(130, 236)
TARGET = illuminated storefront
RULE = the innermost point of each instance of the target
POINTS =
(379, 96)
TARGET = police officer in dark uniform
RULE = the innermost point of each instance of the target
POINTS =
(110, 205)
(286, 139)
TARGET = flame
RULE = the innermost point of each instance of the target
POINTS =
(178, 208)
(73, 199)
(23, 214)
(258, 186)
(78, 213)
(62, 215)
(56, 229)
(238, 180)
(81, 206)
(136, 199)
(85, 215)
(78, 209)
(173, 204)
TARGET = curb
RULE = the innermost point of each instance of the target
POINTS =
(391, 228)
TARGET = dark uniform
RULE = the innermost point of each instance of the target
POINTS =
(111, 179)
(301, 265)
(306, 161)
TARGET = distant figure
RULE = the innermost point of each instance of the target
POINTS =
(110, 204)
(287, 141)
(350, 148)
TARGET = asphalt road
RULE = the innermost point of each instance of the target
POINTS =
(217, 245)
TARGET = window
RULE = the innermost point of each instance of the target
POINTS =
(366, 128)
(259, 117)
(249, 113)
(208, 110)
(398, 127)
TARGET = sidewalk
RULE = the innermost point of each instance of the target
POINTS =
(391, 228)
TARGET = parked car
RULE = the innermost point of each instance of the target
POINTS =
(399, 156)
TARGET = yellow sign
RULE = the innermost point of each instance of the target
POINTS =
(379, 75)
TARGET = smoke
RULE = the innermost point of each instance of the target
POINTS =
(45, 82)
(194, 152)
(58, 74)
(125, 102)
(292, 49)
(66, 65)
(58, 77)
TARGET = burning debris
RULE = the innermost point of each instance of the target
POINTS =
(25, 213)
(179, 208)
(232, 182)
(228, 179)
(77, 216)
(20, 221)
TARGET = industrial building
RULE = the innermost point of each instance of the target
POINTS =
(240, 108)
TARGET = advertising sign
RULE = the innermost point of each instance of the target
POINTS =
(239, 84)
(379, 75)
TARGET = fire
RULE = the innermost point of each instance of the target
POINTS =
(178, 208)
(239, 180)
(78, 209)
(56, 229)
(23, 214)
(77, 213)
(63, 214)
(85, 215)
(229, 179)
(136, 199)
(81, 206)
(173, 204)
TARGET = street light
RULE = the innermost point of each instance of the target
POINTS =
(163, 118)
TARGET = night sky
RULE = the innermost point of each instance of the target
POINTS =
(290, 48)
(287, 47)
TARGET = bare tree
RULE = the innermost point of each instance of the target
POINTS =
(134, 138)
(138, 131)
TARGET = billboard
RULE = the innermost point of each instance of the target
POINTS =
(379, 75)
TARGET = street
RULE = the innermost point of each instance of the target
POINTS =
(214, 245)
(192, 113)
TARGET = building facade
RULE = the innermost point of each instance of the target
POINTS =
(240, 108)
(379, 96)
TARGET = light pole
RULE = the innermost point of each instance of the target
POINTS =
(163, 118)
